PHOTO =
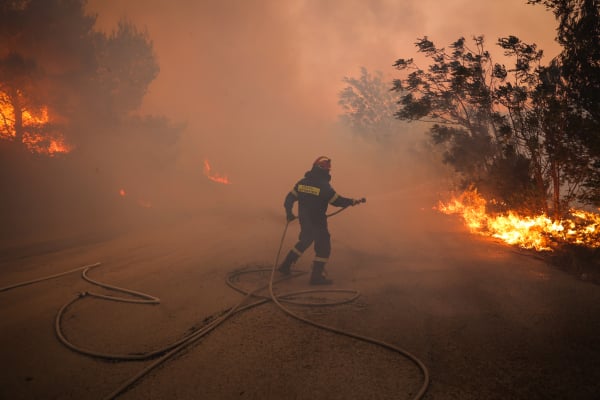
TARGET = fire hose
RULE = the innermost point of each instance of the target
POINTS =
(278, 302)
(168, 351)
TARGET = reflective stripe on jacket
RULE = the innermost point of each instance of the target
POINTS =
(314, 194)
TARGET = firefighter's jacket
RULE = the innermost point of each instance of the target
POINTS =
(314, 194)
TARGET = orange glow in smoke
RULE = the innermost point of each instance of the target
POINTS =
(141, 202)
(214, 176)
(530, 232)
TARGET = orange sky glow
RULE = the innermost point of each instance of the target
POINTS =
(301, 47)
(244, 75)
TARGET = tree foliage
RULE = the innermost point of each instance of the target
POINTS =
(65, 85)
(369, 106)
(578, 64)
(53, 61)
(578, 33)
(127, 65)
(506, 130)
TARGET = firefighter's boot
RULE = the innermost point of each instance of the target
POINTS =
(317, 276)
(290, 259)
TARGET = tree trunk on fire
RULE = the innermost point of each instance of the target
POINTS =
(18, 112)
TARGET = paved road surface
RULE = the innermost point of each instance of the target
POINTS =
(489, 321)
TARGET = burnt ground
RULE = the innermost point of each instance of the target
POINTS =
(489, 321)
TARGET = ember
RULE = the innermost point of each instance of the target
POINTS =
(214, 176)
(530, 232)
(140, 202)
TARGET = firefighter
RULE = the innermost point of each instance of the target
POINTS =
(314, 194)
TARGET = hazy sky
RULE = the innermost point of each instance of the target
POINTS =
(302, 46)
(262, 76)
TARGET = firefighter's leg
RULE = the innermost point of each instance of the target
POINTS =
(289, 260)
(322, 250)
(305, 240)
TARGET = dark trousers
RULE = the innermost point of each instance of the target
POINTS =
(319, 234)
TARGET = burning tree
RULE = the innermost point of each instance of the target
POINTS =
(67, 88)
(56, 71)
(30, 72)
(506, 131)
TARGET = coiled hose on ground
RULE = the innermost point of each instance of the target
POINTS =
(166, 352)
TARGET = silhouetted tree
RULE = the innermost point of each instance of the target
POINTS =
(127, 65)
(578, 33)
(54, 64)
(53, 59)
(369, 106)
(505, 130)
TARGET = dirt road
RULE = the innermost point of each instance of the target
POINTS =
(488, 321)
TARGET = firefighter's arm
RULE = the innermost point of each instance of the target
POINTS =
(340, 201)
(288, 204)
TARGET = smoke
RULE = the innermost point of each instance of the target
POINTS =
(252, 87)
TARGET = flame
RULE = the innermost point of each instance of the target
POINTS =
(30, 119)
(214, 176)
(122, 192)
(530, 232)
(47, 143)
(37, 136)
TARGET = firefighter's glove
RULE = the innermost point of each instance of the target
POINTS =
(290, 217)
(358, 201)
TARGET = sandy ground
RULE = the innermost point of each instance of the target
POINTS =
(488, 321)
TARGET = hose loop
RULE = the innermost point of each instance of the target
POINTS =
(166, 352)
